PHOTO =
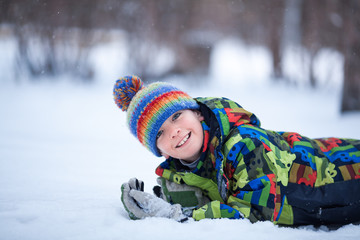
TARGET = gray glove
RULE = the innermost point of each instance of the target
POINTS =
(140, 204)
(136, 184)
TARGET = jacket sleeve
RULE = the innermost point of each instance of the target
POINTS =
(215, 209)
(257, 166)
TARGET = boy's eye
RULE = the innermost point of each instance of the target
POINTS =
(159, 134)
(176, 116)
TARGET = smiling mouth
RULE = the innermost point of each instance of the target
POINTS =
(184, 140)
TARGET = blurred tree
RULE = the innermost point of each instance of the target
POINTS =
(4, 10)
(176, 25)
(313, 14)
(319, 30)
(274, 22)
(194, 35)
(259, 23)
(351, 51)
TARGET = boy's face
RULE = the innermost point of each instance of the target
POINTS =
(181, 136)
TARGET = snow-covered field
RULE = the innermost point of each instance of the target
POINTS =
(65, 150)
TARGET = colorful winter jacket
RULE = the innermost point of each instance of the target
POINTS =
(259, 174)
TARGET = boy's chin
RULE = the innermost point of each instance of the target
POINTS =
(193, 158)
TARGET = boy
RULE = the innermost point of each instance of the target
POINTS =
(242, 170)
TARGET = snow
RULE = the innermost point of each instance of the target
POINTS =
(65, 150)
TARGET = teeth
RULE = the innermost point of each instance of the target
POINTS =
(183, 141)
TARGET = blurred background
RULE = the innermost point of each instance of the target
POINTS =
(305, 43)
(65, 148)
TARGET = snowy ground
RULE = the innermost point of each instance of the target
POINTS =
(65, 150)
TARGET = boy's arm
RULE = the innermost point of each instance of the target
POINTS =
(194, 203)
(215, 209)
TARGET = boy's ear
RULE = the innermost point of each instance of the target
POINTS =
(163, 154)
(200, 117)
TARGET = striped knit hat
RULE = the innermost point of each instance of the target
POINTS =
(149, 107)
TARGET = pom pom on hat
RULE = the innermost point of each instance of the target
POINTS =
(148, 107)
(125, 89)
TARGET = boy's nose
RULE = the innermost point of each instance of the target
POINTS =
(175, 132)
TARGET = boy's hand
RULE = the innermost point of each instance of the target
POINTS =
(140, 205)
